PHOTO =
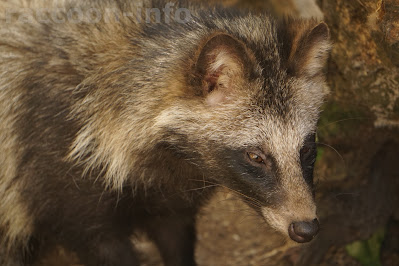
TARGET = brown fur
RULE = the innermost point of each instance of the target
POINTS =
(117, 125)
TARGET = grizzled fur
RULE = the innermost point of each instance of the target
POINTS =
(119, 125)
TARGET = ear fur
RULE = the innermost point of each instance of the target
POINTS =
(221, 64)
(309, 51)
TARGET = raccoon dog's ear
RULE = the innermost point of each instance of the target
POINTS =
(221, 65)
(310, 46)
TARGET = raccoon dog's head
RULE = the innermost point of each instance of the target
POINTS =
(250, 120)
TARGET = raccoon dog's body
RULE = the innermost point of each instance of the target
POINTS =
(114, 125)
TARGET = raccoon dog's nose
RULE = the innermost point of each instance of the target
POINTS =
(302, 232)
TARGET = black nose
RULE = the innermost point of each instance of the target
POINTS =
(302, 232)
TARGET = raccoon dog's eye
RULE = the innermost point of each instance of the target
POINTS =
(305, 150)
(255, 158)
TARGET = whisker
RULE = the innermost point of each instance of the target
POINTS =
(345, 194)
(234, 208)
(246, 217)
(331, 147)
(199, 188)
(255, 201)
(344, 120)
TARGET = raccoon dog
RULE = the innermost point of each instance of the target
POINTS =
(122, 122)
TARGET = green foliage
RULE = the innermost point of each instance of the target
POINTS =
(320, 152)
(367, 252)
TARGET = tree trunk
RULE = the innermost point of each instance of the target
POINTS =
(358, 191)
(365, 59)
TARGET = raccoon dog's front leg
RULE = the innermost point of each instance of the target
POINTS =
(107, 251)
(174, 236)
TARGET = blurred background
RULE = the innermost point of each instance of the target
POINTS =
(357, 170)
